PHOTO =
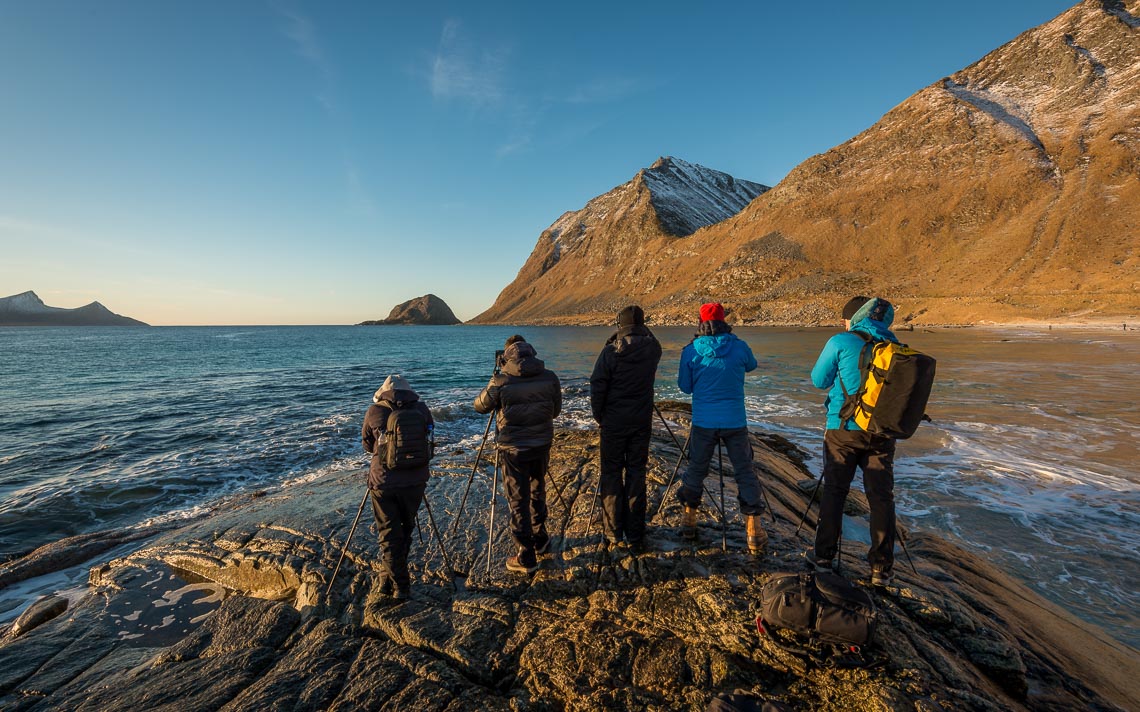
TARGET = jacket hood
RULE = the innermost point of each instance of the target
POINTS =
(715, 346)
(631, 342)
(874, 319)
(521, 360)
(396, 389)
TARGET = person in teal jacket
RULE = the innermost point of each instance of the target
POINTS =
(712, 370)
(846, 446)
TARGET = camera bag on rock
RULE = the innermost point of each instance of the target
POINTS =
(822, 607)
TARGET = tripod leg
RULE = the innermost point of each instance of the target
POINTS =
(474, 468)
(494, 496)
(905, 550)
(344, 550)
(723, 517)
(814, 494)
(439, 540)
(667, 428)
(419, 529)
(672, 477)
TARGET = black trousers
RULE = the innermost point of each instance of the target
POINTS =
(395, 511)
(624, 458)
(843, 451)
(524, 477)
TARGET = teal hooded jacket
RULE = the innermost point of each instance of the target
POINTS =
(712, 370)
(840, 357)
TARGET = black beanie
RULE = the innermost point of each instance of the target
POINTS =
(854, 305)
(631, 316)
(513, 340)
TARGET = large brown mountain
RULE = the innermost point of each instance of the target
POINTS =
(594, 260)
(1007, 191)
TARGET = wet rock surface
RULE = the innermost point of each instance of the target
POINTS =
(230, 612)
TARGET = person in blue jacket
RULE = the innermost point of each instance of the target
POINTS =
(712, 369)
(847, 446)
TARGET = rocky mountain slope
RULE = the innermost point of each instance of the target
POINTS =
(27, 309)
(1007, 191)
(590, 259)
(229, 612)
(426, 310)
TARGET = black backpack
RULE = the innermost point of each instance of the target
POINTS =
(409, 445)
(822, 607)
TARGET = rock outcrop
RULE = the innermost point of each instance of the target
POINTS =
(426, 310)
(1007, 191)
(27, 309)
(230, 612)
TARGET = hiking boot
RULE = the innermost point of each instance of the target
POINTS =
(817, 564)
(757, 537)
(515, 563)
(544, 549)
(637, 546)
(881, 576)
(402, 594)
(689, 522)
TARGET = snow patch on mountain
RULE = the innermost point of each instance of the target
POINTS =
(688, 196)
(998, 107)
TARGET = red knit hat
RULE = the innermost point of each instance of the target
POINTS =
(713, 311)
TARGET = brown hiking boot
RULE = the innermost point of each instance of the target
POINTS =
(757, 537)
(689, 522)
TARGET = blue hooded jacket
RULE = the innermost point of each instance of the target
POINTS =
(712, 369)
(840, 357)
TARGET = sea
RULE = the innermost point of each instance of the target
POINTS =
(1031, 459)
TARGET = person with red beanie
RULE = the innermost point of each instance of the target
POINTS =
(712, 369)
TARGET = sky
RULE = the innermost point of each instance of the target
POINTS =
(257, 162)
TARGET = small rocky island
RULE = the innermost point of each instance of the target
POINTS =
(27, 309)
(229, 611)
(428, 310)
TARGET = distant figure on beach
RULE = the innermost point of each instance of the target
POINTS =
(528, 398)
(397, 432)
(621, 396)
(847, 446)
(712, 369)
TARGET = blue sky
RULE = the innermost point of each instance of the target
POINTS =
(316, 163)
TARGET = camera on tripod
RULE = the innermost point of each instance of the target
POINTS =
(499, 360)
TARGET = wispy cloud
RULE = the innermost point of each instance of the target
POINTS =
(301, 31)
(459, 70)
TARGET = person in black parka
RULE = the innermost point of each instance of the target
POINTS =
(621, 396)
(396, 493)
(528, 398)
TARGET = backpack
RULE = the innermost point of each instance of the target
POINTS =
(895, 383)
(408, 442)
(822, 607)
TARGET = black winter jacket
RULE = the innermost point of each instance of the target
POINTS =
(528, 398)
(373, 438)
(621, 386)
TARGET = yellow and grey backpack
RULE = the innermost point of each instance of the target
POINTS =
(895, 382)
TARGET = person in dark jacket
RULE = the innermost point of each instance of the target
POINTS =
(528, 398)
(396, 493)
(621, 396)
(712, 369)
(847, 446)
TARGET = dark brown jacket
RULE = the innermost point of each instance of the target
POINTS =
(528, 398)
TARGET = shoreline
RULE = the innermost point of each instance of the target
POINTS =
(671, 625)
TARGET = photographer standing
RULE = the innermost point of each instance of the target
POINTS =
(397, 431)
(528, 398)
(621, 396)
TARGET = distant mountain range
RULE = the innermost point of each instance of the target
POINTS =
(27, 309)
(1007, 191)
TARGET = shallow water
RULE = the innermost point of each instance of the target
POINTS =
(1030, 460)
